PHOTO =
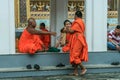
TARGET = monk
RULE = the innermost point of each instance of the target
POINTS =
(45, 38)
(29, 41)
(64, 36)
(77, 44)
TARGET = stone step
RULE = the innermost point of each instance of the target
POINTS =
(67, 67)
(52, 59)
(53, 70)
(14, 65)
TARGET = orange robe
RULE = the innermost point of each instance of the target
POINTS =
(67, 37)
(29, 43)
(66, 48)
(77, 44)
(45, 39)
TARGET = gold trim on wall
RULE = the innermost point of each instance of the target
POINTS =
(112, 14)
(17, 13)
(28, 8)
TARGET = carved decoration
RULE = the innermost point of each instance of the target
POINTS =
(23, 12)
(40, 9)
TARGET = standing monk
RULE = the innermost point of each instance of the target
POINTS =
(29, 40)
(77, 44)
(45, 38)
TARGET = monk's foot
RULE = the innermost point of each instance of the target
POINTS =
(83, 71)
(73, 74)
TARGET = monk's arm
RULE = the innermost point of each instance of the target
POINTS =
(63, 30)
(37, 32)
(67, 30)
(70, 31)
(73, 28)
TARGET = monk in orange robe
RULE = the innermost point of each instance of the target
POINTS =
(77, 44)
(64, 36)
(45, 38)
(29, 41)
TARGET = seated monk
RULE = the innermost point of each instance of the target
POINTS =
(29, 41)
(45, 38)
(64, 36)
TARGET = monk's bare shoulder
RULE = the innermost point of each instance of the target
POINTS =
(31, 30)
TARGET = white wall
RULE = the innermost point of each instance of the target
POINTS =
(12, 26)
(7, 42)
(89, 23)
(96, 24)
(100, 25)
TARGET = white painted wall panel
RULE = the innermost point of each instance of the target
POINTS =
(4, 27)
(12, 27)
(99, 25)
(7, 27)
(89, 24)
(61, 14)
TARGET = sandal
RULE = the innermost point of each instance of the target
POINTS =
(60, 65)
(29, 66)
(36, 66)
(115, 63)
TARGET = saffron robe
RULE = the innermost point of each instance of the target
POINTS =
(64, 39)
(29, 43)
(45, 39)
(67, 38)
(77, 45)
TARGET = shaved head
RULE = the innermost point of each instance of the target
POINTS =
(31, 22)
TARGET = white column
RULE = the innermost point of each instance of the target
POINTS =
(53, 19)
(119, 13)
(99, 25)
(6, 25)
(118, 5)
(59, 13)
(89, 23)
(96, 24)
(11, 27)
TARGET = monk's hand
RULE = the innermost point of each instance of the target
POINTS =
(53, 33)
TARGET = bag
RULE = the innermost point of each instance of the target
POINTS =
(53, 49)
